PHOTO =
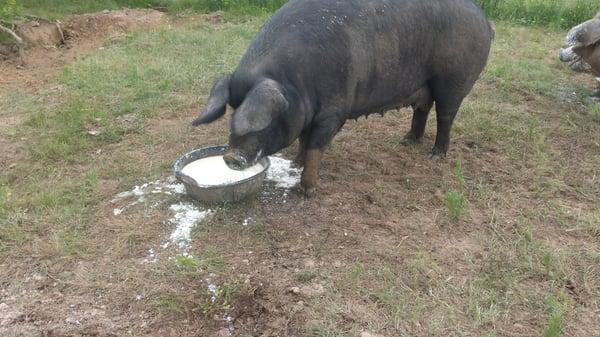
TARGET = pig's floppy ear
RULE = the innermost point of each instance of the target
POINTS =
(217, 102)
(262, 104)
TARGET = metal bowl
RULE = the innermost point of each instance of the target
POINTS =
(220, 193)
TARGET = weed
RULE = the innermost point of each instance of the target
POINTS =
(187, 263)
(458, 173)
(168, 303)
(558, 308)
(456, 203)
(357, 271)
(5, 194)
(307, 276)
(226, 293)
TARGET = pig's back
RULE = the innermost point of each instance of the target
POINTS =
(361, 53)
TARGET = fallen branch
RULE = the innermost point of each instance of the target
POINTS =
(60, 31)
(17, 38)
(11, 33)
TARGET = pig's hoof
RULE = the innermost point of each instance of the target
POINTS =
(309, 192)
(298, 162)
(409, 139)
(436, 156)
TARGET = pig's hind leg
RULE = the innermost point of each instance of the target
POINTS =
(448, 100)
(423, 102)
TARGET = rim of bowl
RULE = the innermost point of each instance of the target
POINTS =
(213, 150)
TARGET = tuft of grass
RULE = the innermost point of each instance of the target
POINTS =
(595, 112)
(187, 263)
(456, 203)
(558, 307)
(322, 332)
(455, 200)
(459, 174)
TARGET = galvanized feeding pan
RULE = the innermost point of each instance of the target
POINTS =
(220, 193)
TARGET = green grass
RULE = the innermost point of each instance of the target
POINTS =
(506, 269)
(187, 263)
(456, 203)
(553, 13)
(148, 73)
(59, 8)
(455, 200)
(168, 303)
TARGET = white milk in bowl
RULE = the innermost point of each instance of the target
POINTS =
(212, 171)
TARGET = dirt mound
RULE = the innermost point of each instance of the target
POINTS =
(40, 33)
(108, 23)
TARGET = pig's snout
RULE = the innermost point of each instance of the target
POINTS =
(235, 160)
(567, 54)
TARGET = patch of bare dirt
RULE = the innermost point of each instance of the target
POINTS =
(97, 26)
(46, 56)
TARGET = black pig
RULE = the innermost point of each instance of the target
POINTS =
(317, 63)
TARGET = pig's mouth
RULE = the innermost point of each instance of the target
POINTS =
(237, 160)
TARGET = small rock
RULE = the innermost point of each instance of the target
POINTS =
(12, 166)
(72, 320)
(369, 334)
(8, 316)
(312, 290)
(295, 290)
(309, 263)
(223, 333)
(298, 307)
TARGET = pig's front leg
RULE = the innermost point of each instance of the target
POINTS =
(310, 174)
(301, 156)
(320, 136)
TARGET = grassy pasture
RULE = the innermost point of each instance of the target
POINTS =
(501, 239)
